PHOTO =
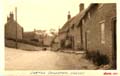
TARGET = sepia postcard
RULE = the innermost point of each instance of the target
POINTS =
(60, 38)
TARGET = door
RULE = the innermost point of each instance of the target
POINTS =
(114, 56)
(86, 41)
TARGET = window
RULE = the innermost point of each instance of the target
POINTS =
(72, 26)
(88, 15)
(83, 22)
(102, 24)
(100, 5)
(68, 30)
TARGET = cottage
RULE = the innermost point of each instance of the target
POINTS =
(12, 29)
(99, 30)
(70, 34)
(93, 30)
(47, 40)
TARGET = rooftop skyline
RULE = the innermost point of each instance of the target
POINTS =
(42, 14)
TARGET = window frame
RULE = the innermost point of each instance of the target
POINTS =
(89, 16)
(102, 31)
(83, 21)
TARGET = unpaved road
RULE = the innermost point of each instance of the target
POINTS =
(44, 60)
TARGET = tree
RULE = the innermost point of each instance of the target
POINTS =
(53, 32)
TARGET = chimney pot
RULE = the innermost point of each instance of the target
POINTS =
(11, 16)
(81, 7)
(69, 16)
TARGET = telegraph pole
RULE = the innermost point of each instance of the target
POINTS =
(16, 26)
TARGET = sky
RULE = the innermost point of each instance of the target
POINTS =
(41, 14)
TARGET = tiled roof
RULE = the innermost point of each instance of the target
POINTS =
(66, 25)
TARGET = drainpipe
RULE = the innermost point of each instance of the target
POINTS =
(86, 40)
(81, 34)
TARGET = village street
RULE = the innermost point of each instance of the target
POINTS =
(44, 60)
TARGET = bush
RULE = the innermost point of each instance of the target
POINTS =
(103, 59)
(97, 58)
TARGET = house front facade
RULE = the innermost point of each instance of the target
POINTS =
(70, 33)
(12, 29)
(94, 31)
(99, 30)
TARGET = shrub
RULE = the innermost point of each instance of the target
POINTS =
(97, 58)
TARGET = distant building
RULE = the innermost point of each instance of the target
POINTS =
(38, 36)
(33, 38)
(29, 35)
(12, 29)
(47, 40)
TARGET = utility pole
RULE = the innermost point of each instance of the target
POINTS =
(81, 35)
(16, 26)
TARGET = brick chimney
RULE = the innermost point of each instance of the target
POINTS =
(81, 7)
(69, 16)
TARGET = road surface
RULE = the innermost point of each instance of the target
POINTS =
(44, 60)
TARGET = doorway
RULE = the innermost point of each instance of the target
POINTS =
(114, 55)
